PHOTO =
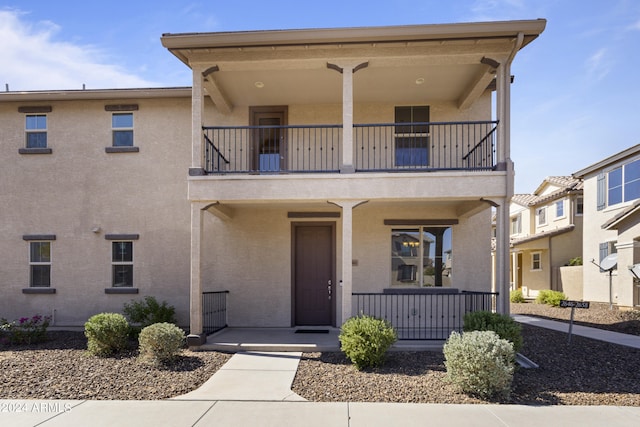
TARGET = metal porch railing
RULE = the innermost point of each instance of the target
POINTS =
(399, 147)
(423, 316)
(214, 311)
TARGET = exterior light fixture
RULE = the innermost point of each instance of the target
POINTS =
(419, 81)
(259, 85)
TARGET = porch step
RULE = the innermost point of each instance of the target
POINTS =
(233, 340)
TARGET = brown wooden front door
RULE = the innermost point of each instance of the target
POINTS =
(313, 275)
(269, 143)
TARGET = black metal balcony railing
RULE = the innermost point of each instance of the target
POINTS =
(423, 316)
(425, 146)
(377, 147)
(214, 311)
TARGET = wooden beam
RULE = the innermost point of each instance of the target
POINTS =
(215, 92)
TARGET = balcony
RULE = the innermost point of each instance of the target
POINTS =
(388, 147)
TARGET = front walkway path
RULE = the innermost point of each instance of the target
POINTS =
(583, 331)
(251, 376)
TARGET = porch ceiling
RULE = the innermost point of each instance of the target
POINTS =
(406, 64)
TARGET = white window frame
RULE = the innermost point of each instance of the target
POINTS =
(116, 129)
(36, 130)
(560, 206)
(533, 261)
(33, 263)
(115, 264)
(544, 216)
(517, 221)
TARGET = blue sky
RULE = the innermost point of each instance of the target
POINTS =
(575, 98)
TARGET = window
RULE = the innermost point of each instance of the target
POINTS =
(40, 264)
(606, 249)
(536, 261)
(516, 224)
(619, 185)
(580, 206)
(560, 209)
(412, 140)
(421, 256)
(122, 125)
(36, 131)
(541, 215)
(122, 264)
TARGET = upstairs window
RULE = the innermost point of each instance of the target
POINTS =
(39, 264)
(36, 131)
(536, 261)
(516, 224)
(580, 206)
(122, 127)
(541, 215)
(619, 185)
(560, 209)
(412, 140)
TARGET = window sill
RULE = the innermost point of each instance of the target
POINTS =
(39, 290)
(122, 149)
(35, 151)
(121, 291)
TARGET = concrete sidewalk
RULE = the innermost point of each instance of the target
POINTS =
(188, 413)
(583, 331)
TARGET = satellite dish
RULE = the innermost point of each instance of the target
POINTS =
(609, 262)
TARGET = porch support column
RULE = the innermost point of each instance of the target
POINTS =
(196, 336)
(347, 68)
(502, 257)
(197, 114)
(347, 255)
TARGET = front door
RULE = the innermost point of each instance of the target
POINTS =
(313, 274)
(269, 143)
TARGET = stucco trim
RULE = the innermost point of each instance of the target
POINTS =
(39, 290)
(420, 221)
(313, 215)
(38, 237)
(35, 151)
(35, 109)
(122, 236)
(122, 149)
(121, 291)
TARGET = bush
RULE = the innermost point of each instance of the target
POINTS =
(516, 296)
(575, 261)
(502, 324)
(479, 363)
(160, 342)
(26, 330)
(551, 298)
(147, 312)
(106, 333)
(365, 340)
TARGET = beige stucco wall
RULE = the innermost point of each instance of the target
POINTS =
(79, 187)
(570, 279)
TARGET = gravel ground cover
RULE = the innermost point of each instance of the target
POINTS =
(586, 372)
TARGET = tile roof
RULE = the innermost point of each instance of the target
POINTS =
(567, 184)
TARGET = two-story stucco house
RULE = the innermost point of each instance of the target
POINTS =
(612, 228)
(546, 233)
(302, 170)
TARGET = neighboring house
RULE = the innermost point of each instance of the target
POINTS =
(303, 167)
(546, 233)
(612, 228)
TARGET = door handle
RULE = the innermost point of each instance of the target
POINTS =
(329, 288)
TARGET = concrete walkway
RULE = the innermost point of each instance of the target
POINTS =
(583, 331)
(252, 376)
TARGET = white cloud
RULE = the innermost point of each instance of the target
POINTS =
(598, 65)
(34, 60)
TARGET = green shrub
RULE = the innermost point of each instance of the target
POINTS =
(551, 298)
(149, 311)
(516, 296)
(106, 333)
(502, 324)
(160, 342)
(479, 363)
(365, 340)
(575, 261)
